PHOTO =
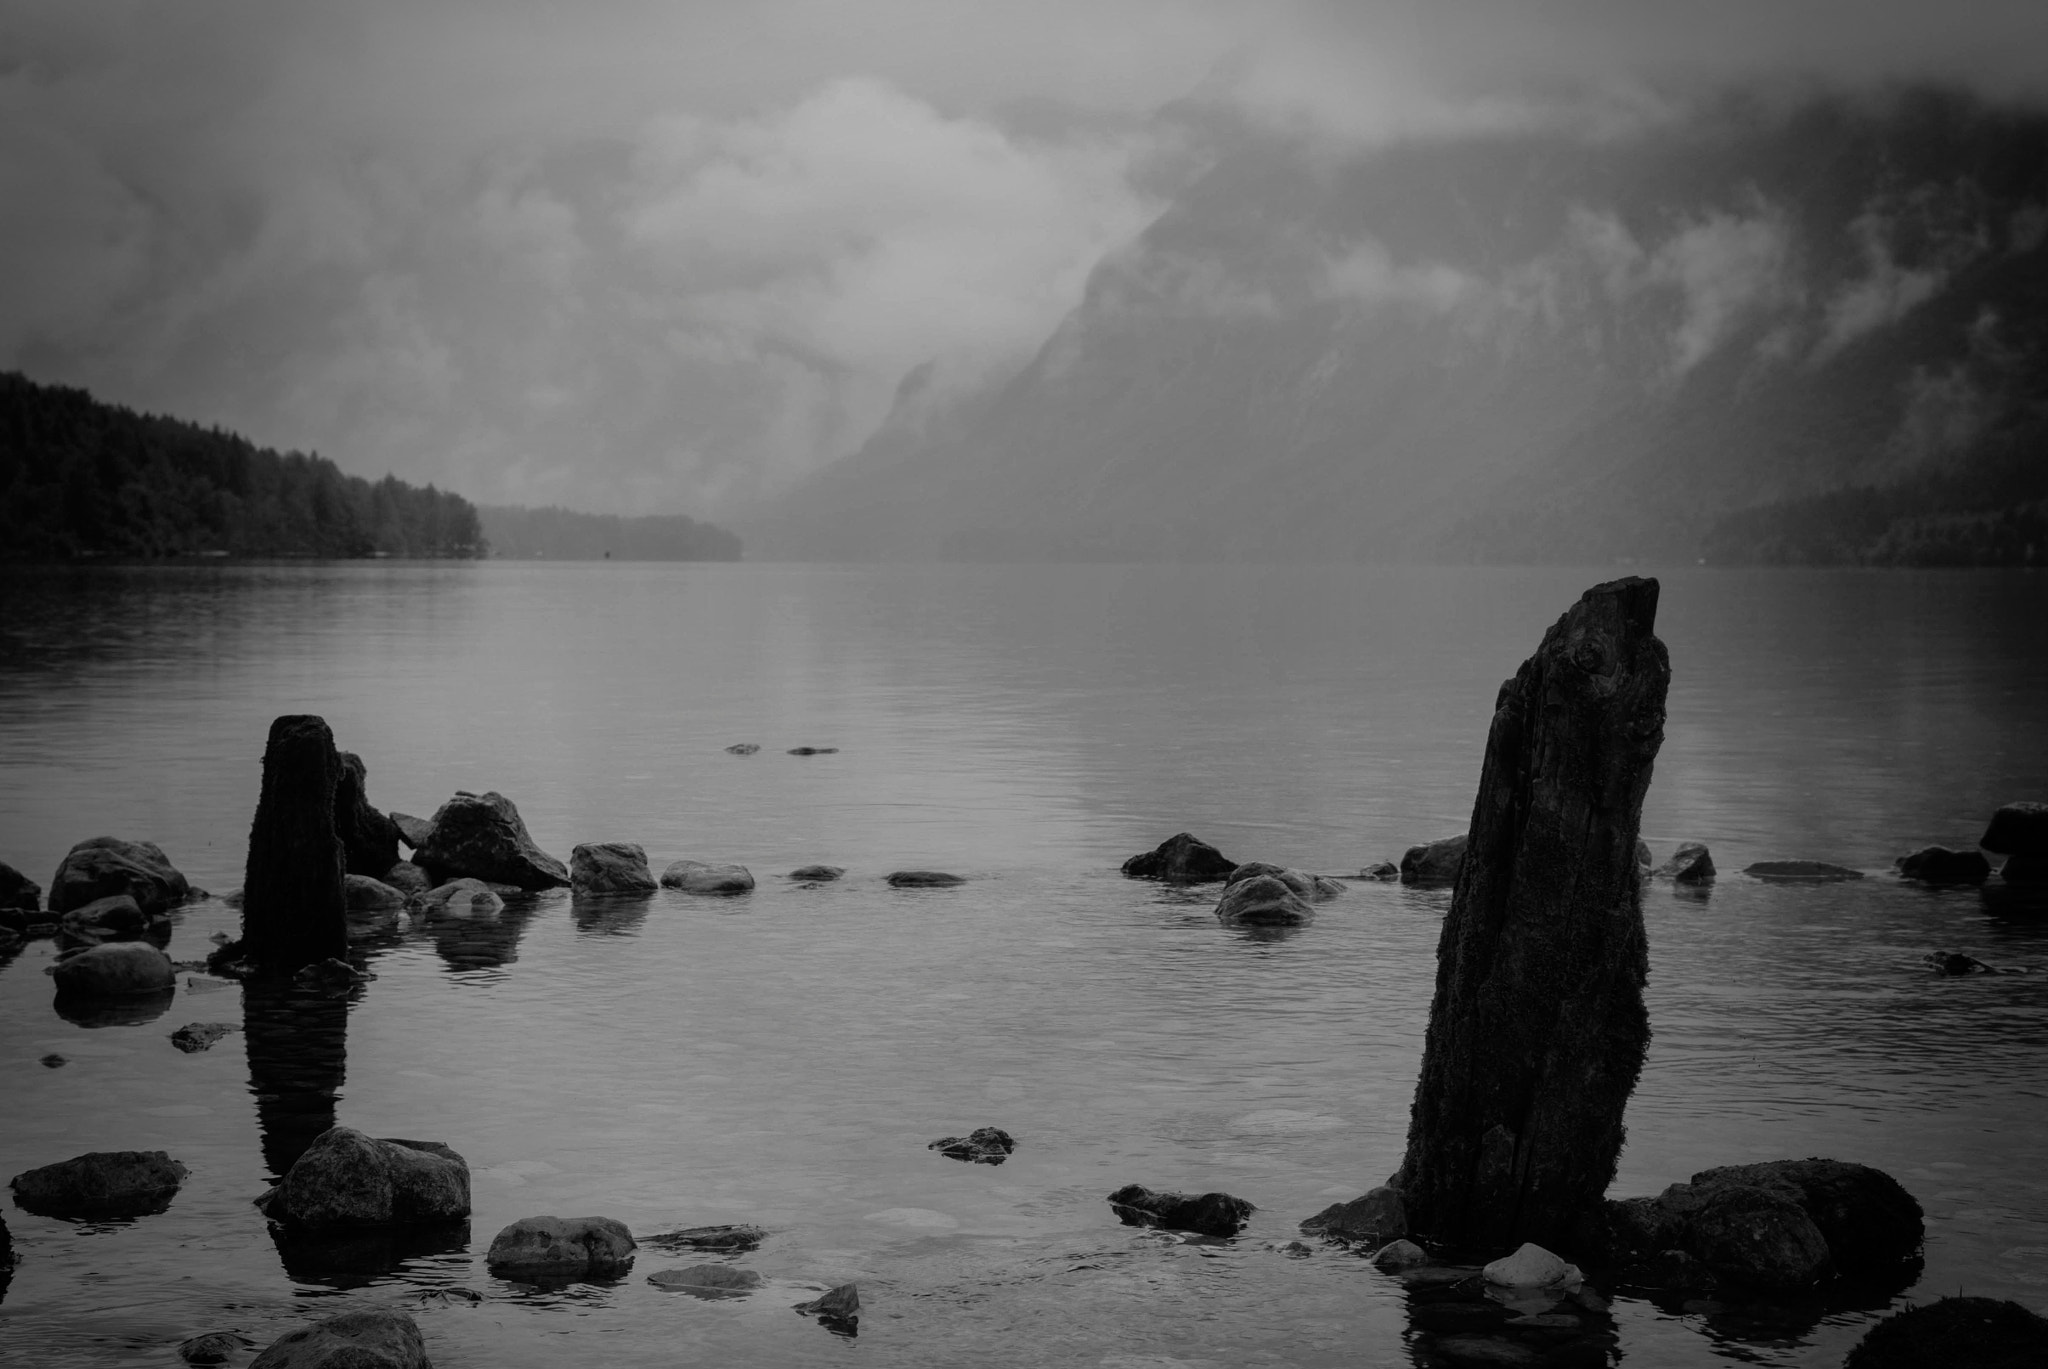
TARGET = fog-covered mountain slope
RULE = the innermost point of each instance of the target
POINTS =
(1530, 345)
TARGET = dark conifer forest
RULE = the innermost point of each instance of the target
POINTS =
(80, 478)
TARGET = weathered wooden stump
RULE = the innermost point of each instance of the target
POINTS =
(293, 908)
(1538, 1029)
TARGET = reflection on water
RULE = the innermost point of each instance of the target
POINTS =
(784, 1059)
(130, 1010)
(357, 1259)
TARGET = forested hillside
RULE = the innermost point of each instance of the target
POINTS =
(83, 478)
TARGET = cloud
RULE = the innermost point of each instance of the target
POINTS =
(1729, 270)
(1366, 275)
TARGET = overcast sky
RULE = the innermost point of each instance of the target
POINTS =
(661, 257)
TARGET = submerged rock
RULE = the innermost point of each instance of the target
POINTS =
(413, 831)
(838, 1310)
(1691, 863)
(813, 750)
(118, 969)
(470, 898)
(1955, 964)
(107, 865)
(1263, 900)
(1312, 888)
(18, 890)
(107, 919)
(610, 867)
(1209, 1214)
(1939, 865)
(1800, 872)
(734, 1238)
(101, 1184)
(982, 1146)
(1383, 872)
(1434, 862)
(924, 879)
(1182, 858)
(817, 874)
(198, 1036)
(743, 748)
(483, 837)
(703, 877)
(353, 1340)
(1373, 1218)
(561, 1248)
(347, 1179)
(369, 838)
(1982, 1333)
(719, 1279)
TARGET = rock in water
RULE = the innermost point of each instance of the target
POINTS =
(18, 890)
(104, 866)
(2018, 831)
(924, 879)
(1537, 1031)
(1262, 901)
(1309, 888)
(714, 1279)
(982, 1146)
(817, 874)
(119, 969)
(411, 830)
(199, 1036)
(407, 877)
(702, 877)
(109, 919)
(467, 898)
(482, 836)
(1691, 863)
(561, 1248)
(1531, 1266)
(1939, 865)
(610, 867)
(733, 1237)
(1982, 1333)
(369, 839)
(1435, 862)
(1182, 858)
(1210, 1214)
(346, 1179)
(294, 907)
(838, 1309)
(1373, 1218)
(362, 894)
(103, 1183)
(1800, 872)
(353, 1340)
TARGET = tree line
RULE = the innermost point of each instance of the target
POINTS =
(83, 478)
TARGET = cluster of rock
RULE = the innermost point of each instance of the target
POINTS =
(982, 1146)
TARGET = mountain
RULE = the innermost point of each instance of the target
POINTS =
(82, 478)
(1770, 328)
(563, 535)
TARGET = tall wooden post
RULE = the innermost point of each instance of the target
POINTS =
(294, 910)
(1538, 1030)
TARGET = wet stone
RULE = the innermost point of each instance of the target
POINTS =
(102, 1184)
(1800, 872)
(214, 1347)
(734, 1237)
(817, 874)
(924, 879)
(1209, 1214)
(199, 1036)
(838, 1310)
(982, 1146)
(707, 1278)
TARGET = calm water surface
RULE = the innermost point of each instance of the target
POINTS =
(783, 1057)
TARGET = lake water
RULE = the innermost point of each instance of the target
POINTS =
(783, 1057)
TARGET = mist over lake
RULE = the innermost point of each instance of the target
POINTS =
(784, 1057)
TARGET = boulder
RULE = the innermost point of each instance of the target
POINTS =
(107, 865)
(346, 1179)
(353, 1340)
(293, 905)
(733, 1238)
(2024, 870)
(108, 919)
(1800, 872)
(1691, 863)
(408, 878)
(1757, 1237)
(101, 1184)
(1983, 1333)
(743, 748)
(1643, 857)
(363, 894)
(1181, 859)
(1872, 1225)
(118, 969)
(411, 830)
(1383, 872)
(1264, 901)
(194, 1037)
(817, 874)
(1435, 862)
(1209, 1214)
(1373, 1218)
(212, 1347)
(2018, 829)
(482, 836)
(982, 1146)
(924, 879)
(18, 890)
(1939, 865)
(610, 867)
(1311, 888)
(369, 838)
(1531, 1266)
(715, 1279)
(702, 877)
(463, 898)
(561, 1248)
(838, 1309)
(1395, 1256)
